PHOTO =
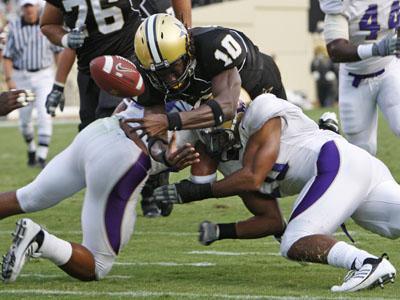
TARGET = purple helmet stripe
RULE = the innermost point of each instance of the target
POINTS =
(119, 197)
(328, 164)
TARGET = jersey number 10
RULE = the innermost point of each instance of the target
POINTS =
(99, 13)
(232, 47)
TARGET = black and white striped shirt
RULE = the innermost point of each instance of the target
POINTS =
(27, 47)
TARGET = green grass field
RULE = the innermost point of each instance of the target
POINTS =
(164, 260)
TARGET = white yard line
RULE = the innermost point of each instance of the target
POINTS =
(226, 253)
(166, 264)
(141, 294)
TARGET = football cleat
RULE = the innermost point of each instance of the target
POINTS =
(23, 247)
(373, 272)
(329, 121)
(208, 233)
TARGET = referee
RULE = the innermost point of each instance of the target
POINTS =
(28, 57)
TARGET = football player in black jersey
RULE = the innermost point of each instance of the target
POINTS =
(202, 63)
(97, 27)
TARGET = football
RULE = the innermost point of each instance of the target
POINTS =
(117, 76)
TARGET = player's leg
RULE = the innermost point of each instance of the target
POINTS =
(389, 96)
(325, 203)
(60, 179)
(358, 111)
(44, 123)
(106, 105)
(380, 212)
(25, 118)
(88, 95)
(108, 215)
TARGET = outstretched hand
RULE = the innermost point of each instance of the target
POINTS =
(151, 124)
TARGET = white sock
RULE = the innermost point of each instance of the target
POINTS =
(56, 250)
(343, 255)
(203, 179)
(32, 146)
(42, 152)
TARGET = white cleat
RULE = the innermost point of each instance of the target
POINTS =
(374, 272)
(23, 246)
(329, 121)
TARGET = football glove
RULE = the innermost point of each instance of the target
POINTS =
(387, 46)
(75, 38)
(55, 98)
(166, 194)
(208, 233)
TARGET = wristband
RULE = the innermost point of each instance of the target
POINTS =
(219, 117)
(190, 191)
(365, 51)
(57, 86)
(64, 41)
(227, 231)
(174, 121)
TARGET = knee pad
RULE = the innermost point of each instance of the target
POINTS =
(104, 265)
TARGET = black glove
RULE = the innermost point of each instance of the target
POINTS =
(182, 192)
(55, 98)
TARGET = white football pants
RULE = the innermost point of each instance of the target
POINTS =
(358, 105)
(349, 182)
(40, 83)
(113, 169)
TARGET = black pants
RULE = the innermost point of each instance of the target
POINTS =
(94, 102)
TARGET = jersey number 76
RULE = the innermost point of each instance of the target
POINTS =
(99, 13)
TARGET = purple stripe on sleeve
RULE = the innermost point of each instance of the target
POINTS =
(328, 164)
(119, 196)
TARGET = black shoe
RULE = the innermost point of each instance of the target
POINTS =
(31, 158)
(41, 163)
(166, 208)
(329, 121)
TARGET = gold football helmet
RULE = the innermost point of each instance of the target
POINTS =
(162, 48)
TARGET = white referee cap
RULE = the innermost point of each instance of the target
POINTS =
(26, 2)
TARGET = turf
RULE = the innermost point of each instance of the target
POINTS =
(164, 260)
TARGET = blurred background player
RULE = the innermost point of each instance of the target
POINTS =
(361, 36)
(100, 38)
(324, 73)
(28, 57)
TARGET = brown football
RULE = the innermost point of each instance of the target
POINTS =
(117, 76)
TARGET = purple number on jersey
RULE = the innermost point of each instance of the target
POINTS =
(369, 22)
(394, 15)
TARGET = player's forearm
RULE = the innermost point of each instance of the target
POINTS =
(239, 182)
(65, 62)
(54, 33)
(183, 11)
(202, 117)
(343, 51)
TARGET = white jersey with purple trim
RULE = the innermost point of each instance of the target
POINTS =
(301, 141)
(369, 21)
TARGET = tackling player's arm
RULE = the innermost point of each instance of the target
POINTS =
(226, 91)
(260, 155)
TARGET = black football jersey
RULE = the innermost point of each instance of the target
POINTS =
(111, 26)
(217, 49)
